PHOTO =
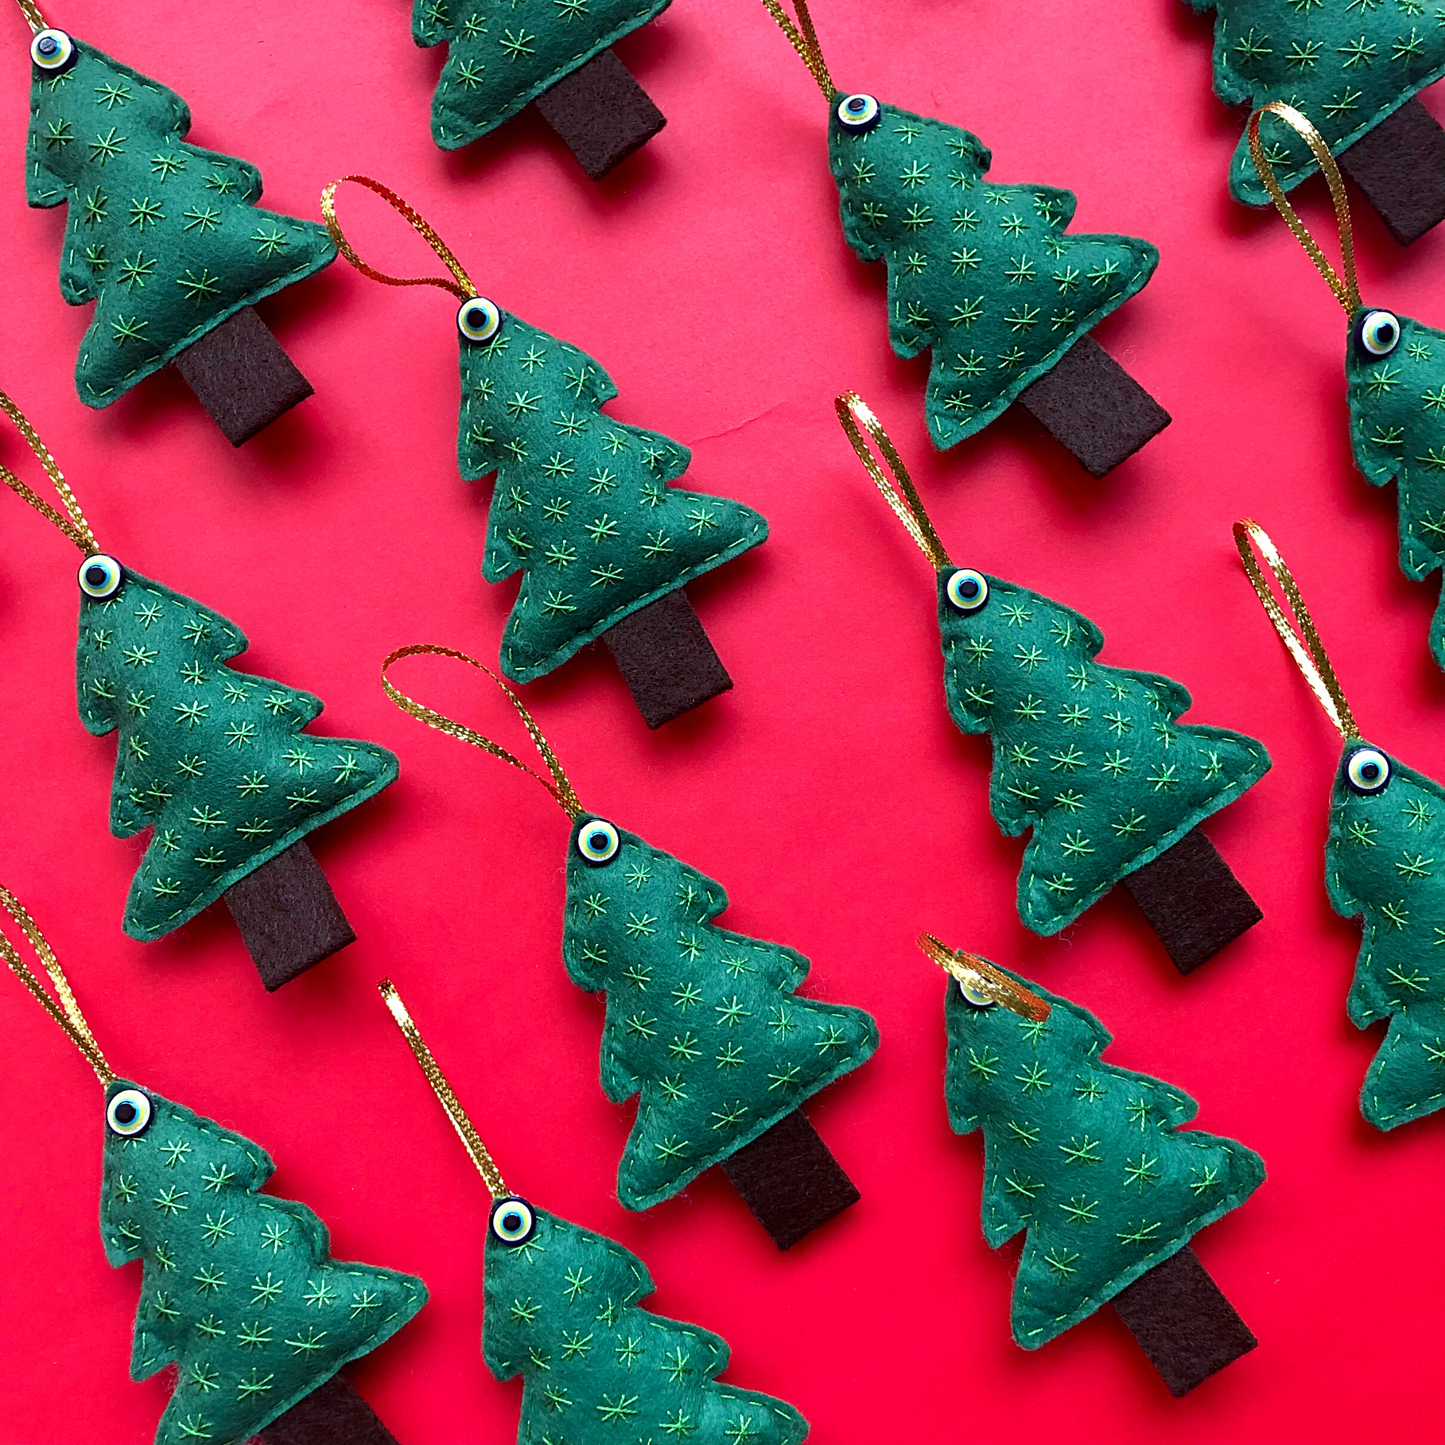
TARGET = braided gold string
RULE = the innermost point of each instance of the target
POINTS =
(73, 524)
(981, 976)
(66, 1014)
(898, 490)
(1300, 635)
(466, 1131)
(1347, 291)
(33, 18)
(560, 787)
(804, 39)
(460, 284)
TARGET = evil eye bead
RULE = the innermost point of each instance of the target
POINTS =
(1368, 770)
(479, 319)
(128, 1113)
(513, 1221)
(597, 841)
(1378, 333)
(977, 999)
(967, 589)
(858, 112)
(101, 576)
(52, 50)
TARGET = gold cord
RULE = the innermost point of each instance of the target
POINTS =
(72, 524)
(66, 1013)
(898, 490)
(460, 287)
(1347, 292)
(981, 976)
(560, 787)
(31, 11)
(486, 1167)
(1300, 635)
(804, 39)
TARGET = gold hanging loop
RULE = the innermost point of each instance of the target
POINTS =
(1300, 634)
(898, 490)
(460, 284)
(71, 523)
(1347, 291)
(66, 1014)
(804, 39)
(466, 1130)
(33, 18)
(560, 787)
(983, 978)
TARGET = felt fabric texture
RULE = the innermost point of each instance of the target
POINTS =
(502, 54)
(601, 113)
(581, 505)
(983, 274)
(165, 238)
(1346, 64)
(702, 1023)
(1091, 758)
(215, 761)
(1400, 166)
(1397, 433)
(1089, 1159)
(240, 1291)
(1380, 864)
(667, 658)
(332, 1414)
(562, 1311)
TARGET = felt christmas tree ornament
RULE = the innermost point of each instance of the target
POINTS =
(1089, 1161)
(1387, 828)
(1357, 67)
(239, 1293)
(1395, 372)
(1092, 759)
(563, 1311)
(216, 762)
(554, 54)
(703, 1025)
(985, 275)
(582, 506)
(166, 238)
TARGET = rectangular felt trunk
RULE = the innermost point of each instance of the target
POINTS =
(332, 1414)
(666, 658)
(601, 113)
(1400, 166)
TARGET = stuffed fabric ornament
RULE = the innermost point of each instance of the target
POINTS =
(1356, 67)
(1092, 759)
(215, 762)
(503, 56)
(1091, 1163)
(166, 238)
(563, 1311)
(582, 505)
(1387, 828)
(239, 1292)
(703, 1025)
(984, 275)
(1395, 372)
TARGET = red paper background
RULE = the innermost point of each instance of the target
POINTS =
(828, 792)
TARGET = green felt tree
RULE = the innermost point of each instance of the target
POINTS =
(703, 1024)
(1087, 1158)
(1092, 758)
(1348, 66)
(240, 1292)
(165, 238)
(562, 1311)
(985, 275)
(582, 505)
(215, 761)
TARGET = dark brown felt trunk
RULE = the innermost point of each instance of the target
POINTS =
(1192, 900)
(1183, 1322)
(288, 916)
(332, 1414)
(1400, 166)
(241, 375)
(1091, 405)
(666, 658)
(601, 113)
(789, 1178)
